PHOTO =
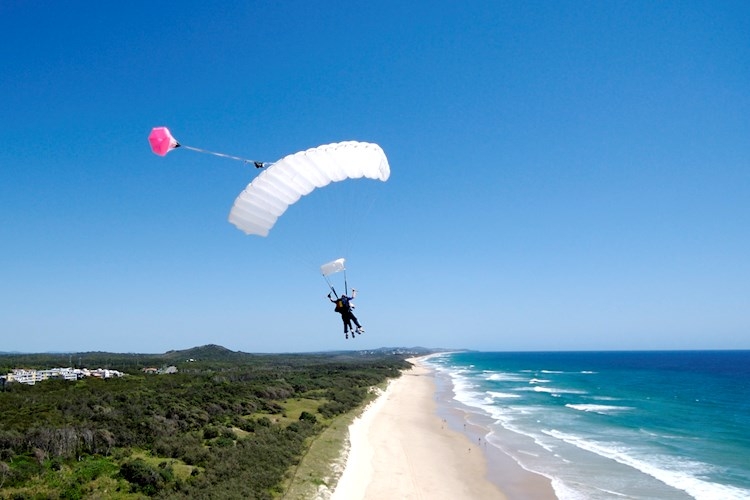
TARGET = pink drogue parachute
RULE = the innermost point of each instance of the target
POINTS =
(161, 141)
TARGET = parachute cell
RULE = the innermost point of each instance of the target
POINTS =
(268, 196)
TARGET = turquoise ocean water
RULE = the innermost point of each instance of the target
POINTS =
(604, 425)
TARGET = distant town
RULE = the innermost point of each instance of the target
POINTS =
(31, 377)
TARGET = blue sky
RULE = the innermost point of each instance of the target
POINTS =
(565, 175)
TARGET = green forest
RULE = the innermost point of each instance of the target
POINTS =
(227, 425)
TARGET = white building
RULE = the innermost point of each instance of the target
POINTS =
(31, 377)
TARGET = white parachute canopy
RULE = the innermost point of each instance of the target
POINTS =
(267, 197)
(332, 267)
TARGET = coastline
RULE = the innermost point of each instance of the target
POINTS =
(400, 447)
(515, 481)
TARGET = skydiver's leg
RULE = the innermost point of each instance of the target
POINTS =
(347, 326)
(354, 318)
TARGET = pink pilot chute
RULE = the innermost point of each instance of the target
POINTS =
(162, 142)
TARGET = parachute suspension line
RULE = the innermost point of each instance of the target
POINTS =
(331, 286)
(359, 202)
(346, 286)
(257, 164)
(365, 202)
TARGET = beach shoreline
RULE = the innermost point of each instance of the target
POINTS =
(516, 482)
(404, 446)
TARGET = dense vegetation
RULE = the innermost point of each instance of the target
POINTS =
(228, 425)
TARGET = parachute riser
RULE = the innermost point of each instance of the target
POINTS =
(257, 164)
(331, 286)
(346, 285)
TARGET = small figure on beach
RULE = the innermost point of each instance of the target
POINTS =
(344, 307)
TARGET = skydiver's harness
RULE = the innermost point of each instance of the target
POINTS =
(341, 305)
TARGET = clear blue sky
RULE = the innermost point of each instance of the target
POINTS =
(565, 175)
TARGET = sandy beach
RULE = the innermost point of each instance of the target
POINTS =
(401, 449)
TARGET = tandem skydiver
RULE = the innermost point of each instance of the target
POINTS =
(344, 307)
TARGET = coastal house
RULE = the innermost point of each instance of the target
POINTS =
(31, 377)
(168, 370)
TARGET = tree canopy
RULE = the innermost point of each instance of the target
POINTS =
(227, 425)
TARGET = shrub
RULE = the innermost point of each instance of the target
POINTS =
(142, 476)
(309, 417)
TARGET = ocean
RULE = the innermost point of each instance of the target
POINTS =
(604, 425)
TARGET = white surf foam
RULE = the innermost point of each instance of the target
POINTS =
(601, 409)
(672, 471)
